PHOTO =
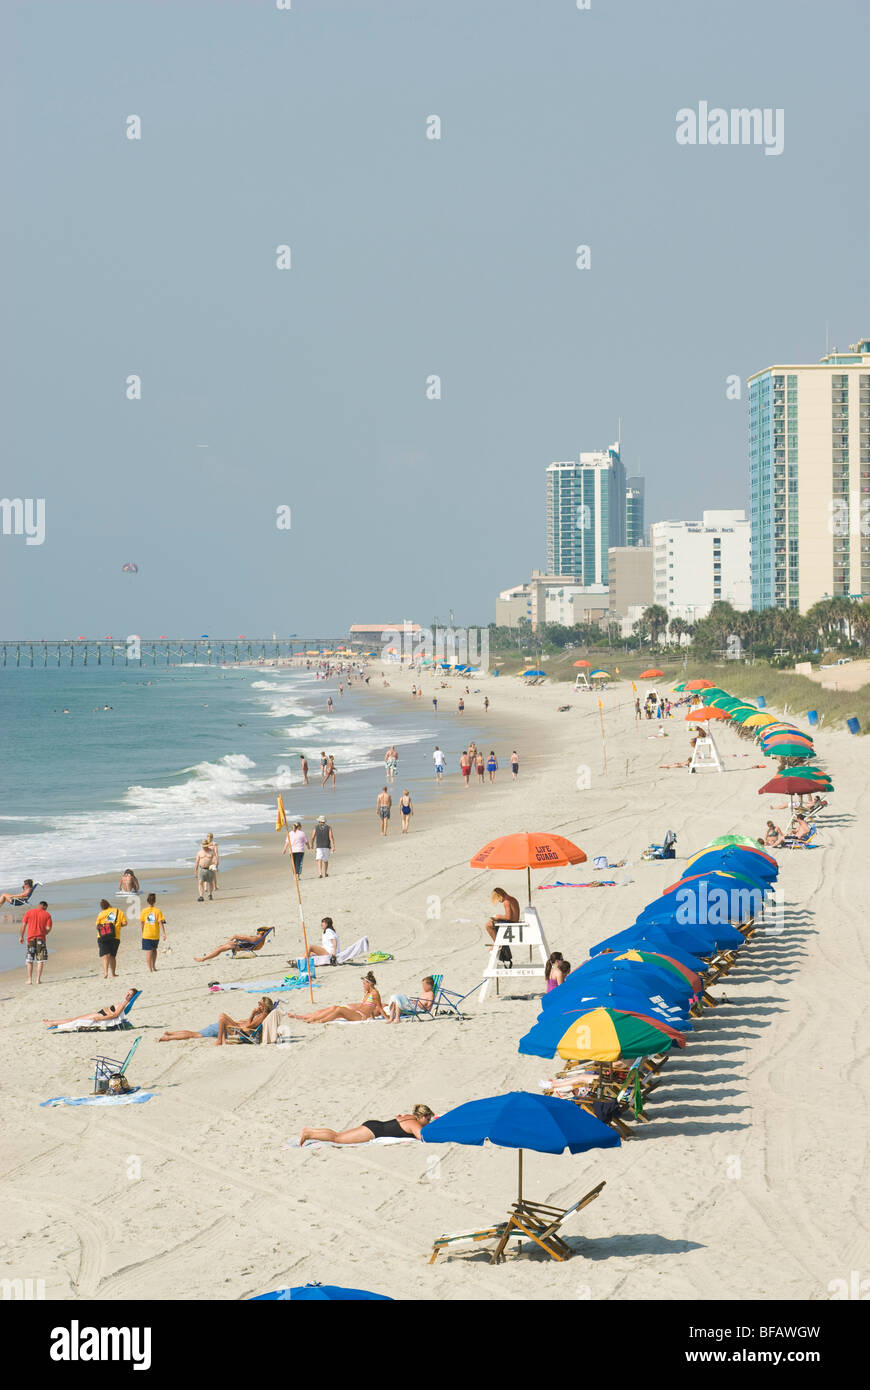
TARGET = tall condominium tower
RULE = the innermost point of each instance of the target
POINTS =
(586, 504)
(809, 463)
(634, 511)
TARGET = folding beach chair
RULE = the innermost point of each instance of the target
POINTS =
(250, 948)
(533, 1221)
(448, 1003)
(792, 841)
(238, 1035)
(110, 1077)
(109, 1025)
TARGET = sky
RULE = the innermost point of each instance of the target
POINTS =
(305, 388)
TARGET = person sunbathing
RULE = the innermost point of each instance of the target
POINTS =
(218, 1030)
(800, 830)
(101, 1016)
(236, 941)
(370, 1006)
(401, 1004)
(402, 1127)
(773, 836)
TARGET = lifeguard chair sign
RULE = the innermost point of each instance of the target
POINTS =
(528, 932)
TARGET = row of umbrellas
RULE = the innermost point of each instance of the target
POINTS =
(777, 738)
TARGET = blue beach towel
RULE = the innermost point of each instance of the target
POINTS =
(137, 1098)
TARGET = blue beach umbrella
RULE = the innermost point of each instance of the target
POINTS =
(533, 673)
(696, 941)
(732, 859)
(603, 972)
(711, 927)
(320, 1293)
(629, 1000)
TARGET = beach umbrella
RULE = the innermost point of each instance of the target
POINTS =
(619, 996)
(722, 840)
(320, 1293)
(700, 683)
(610, 972)
(528, 850)
(599, 675)
(681, 966)
(798, 751)
(664, 932)
(705, 907)
(701, 714)
(650, 675)
(533, 673)
(743, 713)
(599, 1035)
(522, 1120)
(582, 663)
(679, 687)
(759, 719)
(742, 859)
(791, 787)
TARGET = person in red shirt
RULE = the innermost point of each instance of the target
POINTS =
(37, 923)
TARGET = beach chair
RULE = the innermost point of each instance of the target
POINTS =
(448, 1003)
(793, 842)
(250, 948)
(531, 1221)
(239, 1035)
(110, 1077)
(110, 1025)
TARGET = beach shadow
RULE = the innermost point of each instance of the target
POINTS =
(684, 1112)
(646, 1243)
(680, 1092)
(662, 1129)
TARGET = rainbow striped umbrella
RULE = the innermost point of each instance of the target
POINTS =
(599, 1035)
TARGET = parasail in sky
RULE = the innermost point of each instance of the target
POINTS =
(130, 568)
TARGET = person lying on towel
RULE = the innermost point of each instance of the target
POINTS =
(101, 1016)
(402, 1127)
(370, 1006)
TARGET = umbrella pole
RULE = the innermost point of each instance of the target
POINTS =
(529, 881)
(519, 1177)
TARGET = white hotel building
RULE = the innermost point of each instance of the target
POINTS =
(695, 563)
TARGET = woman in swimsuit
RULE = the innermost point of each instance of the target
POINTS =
(218, 1030)
(402, 1127)
(370, 1006)
(407, 809)
(111, 1011)
(492, 765)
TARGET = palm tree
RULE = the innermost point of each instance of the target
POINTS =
(678, 628)
(656, 619)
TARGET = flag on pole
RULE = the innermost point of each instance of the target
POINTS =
(281, 820)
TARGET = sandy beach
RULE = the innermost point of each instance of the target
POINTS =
(746, 1184)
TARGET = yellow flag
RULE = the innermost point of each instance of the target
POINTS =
(281, 821)
(634, 687)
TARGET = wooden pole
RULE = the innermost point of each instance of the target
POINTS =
(603, 741)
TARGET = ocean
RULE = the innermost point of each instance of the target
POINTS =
(188, 750)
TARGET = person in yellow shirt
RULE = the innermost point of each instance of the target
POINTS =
(153, 923)
(110, 920)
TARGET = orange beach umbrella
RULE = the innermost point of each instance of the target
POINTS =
(650, 675)
(582, 663)
(701, 713)
(699, 683)
(528, 850)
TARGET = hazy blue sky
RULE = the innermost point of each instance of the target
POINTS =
(410, 257)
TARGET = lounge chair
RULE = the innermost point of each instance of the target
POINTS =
(253, 1035)
(106, 1025)
(111, 1076)
(250, 948)
(527, 1221)
(795, 841)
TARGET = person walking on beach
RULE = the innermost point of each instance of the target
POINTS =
(391, 761)
(323, 763)
(330, 771)
(478, 763)
(210, 840)
(461, 706)
(407, 810)
(304, 769)
(465, 765)
(203, 871)
(329, 705)
(110, 920)
(323, 844)
(153, 923)
(36, 922)
(486, 704)
(438, 759)
(492, 765)
(435, 703)
(385, 802)
(297, 843)
(515, 764)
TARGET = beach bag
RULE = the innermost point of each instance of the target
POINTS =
(107, 928)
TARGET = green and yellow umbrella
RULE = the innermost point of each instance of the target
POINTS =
(603, 1035)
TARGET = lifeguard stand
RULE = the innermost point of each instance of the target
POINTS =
(527, 932)
(705, 755)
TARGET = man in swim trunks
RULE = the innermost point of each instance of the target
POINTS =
(384, 803)
(391, 761)
(438, 759)
(402, 1127)
(37, 924)
(204, 870)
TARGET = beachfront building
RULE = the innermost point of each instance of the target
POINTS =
(631, 579)
(514, 606)
(635, 499)
(809, 464)
(586, 503)
(556, 598)
(697, 562)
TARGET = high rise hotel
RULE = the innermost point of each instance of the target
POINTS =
(588, 511)
(809, 458)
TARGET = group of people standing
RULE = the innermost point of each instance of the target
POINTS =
(112, 920)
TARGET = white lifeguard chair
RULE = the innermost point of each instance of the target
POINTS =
(705, 755)
(527, 932)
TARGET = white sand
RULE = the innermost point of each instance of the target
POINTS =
(747, 1183)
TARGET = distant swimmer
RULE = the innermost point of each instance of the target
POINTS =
(329, 704)
(304, 762)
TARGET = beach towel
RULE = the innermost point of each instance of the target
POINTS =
(89, 1025)
(269, 1033)
(328, 1144)
(267, 986)
(596, 883)
(132, 1098)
